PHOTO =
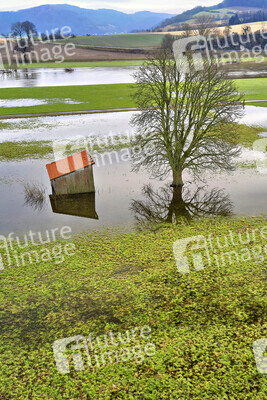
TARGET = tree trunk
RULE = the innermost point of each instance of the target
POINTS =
(177, 179)
(177, 206)
(25, 58)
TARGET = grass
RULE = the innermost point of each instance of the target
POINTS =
(91, 96)
(259, 104)
(254, 89)
(101, 97)
(129, 40)
(203, 324)
(80, 64)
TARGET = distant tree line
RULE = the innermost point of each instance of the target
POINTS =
(248, 17)
(242, 3)
(55, 36)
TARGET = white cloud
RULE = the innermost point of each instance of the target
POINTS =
(171, 6)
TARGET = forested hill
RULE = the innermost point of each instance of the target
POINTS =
(228, 7)
(82, 21)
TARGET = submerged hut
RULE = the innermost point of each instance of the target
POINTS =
(72, 175)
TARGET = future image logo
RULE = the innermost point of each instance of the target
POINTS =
(179, 248)
(259, 348)
(239, 247)
(260, 145)
(98, 351)
(181, 47)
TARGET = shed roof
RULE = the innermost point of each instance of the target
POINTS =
(69, 164)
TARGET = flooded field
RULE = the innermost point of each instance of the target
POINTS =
(59, 77)
(117, 192)
(102, 124)
(99, 75)
(121, 198)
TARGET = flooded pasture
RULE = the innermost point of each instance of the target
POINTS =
(60, 77)
(123, 198)
(100, 75)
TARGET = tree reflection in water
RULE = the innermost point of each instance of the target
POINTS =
(174, 205)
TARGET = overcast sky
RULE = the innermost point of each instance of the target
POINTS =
(171, 6)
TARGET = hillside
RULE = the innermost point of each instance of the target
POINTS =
(82, 21)
(220, 12)
(130, 41)
(243, 3)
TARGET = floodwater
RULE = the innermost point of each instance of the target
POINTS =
(120, 199)
(102, 124)
(34, 102)
(59, 77)
(251, 69)
(247, 74)
(94, 76)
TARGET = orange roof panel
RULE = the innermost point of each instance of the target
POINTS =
(69, 164)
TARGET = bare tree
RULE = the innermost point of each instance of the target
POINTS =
(187, 30)
(167, 42)
(30, 29)
(204, 25)
(186, 117)
(17, 29)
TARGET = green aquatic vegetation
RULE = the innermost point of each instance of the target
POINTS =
(246, 135)
(25, 124)
(203, 324)
(24, 149)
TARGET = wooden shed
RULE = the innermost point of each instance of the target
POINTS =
(72, 175)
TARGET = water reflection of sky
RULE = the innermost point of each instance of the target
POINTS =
(58, 77)
(88, 76)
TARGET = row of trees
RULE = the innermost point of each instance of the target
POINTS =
(19, 29)
(248, 17)
(28, 29)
